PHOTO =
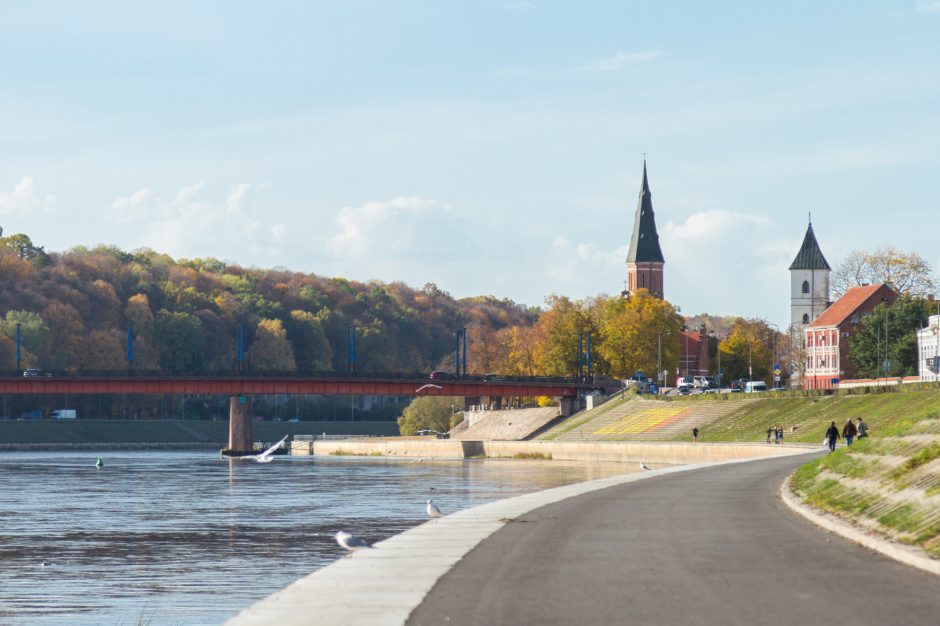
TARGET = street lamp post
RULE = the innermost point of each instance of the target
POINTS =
(773, 352)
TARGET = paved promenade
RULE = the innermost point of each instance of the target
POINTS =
(711, 546)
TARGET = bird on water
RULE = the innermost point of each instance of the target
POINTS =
(433, 511)
(645, 467)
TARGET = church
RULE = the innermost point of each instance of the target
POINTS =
(645, 265)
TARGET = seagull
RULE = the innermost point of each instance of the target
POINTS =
(99, 462)
(427, 386)
(267, 455)
(350, 542)
(433, 511)
(645, 467)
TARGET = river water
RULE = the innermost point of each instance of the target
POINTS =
(188, 538)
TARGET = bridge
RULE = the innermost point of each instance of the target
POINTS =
(241, 385)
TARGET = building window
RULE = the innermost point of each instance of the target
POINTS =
(806, 318)
(805, 286)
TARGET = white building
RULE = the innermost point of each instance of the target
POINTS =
(809, 284)
(928, 349)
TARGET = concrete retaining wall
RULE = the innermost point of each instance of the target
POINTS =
(651, 452)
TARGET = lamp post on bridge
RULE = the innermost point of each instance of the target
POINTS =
(18, 341)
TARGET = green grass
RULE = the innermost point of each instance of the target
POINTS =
(532, 456)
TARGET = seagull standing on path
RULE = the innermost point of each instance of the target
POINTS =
(645, 467)
(433, 511)
(350, 542)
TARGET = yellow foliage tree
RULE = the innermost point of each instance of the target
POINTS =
(270, 349)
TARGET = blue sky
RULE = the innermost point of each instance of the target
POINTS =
(490, 147)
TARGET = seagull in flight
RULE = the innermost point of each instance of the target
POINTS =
(433, 511)
(429, 385)
(645, 467)
(351, 542)
(268, 455)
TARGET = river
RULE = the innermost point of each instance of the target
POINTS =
(168, 537)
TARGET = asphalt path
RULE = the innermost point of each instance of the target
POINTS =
(712, 546)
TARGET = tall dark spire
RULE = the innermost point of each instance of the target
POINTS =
(644, 244)
(810, 257)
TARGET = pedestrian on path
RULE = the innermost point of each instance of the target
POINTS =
(832, 435)
(771, 431)
(862, 429)
(849, 431)
(695, 435)
(778, 434)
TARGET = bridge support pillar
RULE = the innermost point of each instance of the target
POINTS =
(569, 406)
(240, 435)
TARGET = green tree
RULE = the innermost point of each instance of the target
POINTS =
(33, 330)
(430, 413)
(270, 349)
(179, 340)
(311, 349)
(901, 321)
(24, 248)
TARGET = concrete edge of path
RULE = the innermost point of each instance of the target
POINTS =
(905, 554)
(382, 586)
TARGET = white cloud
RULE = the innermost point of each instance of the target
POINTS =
(389, 228)
(619, 60)
(189, 225)
(26, 197)
(706, 225)
(574, 264)
(928, 6)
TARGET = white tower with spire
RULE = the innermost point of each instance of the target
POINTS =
(809, 284)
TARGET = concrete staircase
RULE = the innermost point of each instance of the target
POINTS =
(638, 419)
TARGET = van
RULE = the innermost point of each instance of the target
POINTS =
(703, 382)
(684, 382)
(63, 414)
(753, 386)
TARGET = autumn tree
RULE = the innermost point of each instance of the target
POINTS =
(747, 350)
(637, 331)
(909, 272)
(557, 331)
(270, 349)
(33, 330)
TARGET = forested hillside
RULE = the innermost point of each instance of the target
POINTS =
(74, 309)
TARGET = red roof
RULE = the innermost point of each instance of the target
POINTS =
(853, 299)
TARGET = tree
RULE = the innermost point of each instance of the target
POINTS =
(179, 340)
(909, 272)
(270, 349)
(746, 351)
(312, 351)
(557, 330)
(428, 413)
(33, 331)
(24, 248)
(639, 331)
(901, 321)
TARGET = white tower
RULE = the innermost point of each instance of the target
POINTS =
(809, 285)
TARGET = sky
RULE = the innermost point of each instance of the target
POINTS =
(488, 146)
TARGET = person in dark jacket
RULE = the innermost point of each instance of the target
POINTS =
(848, 432)
(832, 435)
(862, 429)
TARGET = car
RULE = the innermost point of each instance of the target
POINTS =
(703, 382)
(684, 382)
(441, 375)
(493, 377)
(754, 386)
(35, 372)
(293, 420)
(684, 391)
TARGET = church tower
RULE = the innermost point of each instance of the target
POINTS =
(809, 284)
(645, 259)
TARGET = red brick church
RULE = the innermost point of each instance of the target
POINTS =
(645, 264)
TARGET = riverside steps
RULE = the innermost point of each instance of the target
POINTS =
(708, 544)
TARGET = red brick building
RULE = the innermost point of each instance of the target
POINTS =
(693, 352)
(827, 337)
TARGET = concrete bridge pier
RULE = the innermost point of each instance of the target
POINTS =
(240, 435)
(569, 406)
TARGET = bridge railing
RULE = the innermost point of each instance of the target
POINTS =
(495, 379)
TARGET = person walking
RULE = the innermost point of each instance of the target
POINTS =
(832, 435)
(862, 429)
(771, 430)
(695, 435)
(849, 431)
(778, 435)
